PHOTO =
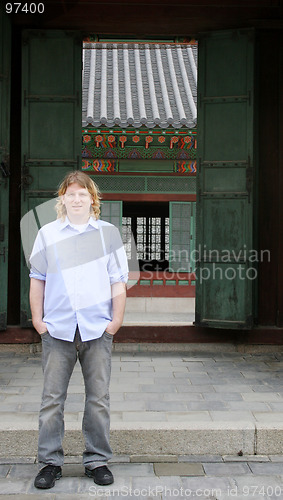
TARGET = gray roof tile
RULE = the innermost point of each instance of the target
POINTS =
(139, 84)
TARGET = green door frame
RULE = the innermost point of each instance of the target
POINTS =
(51, 124)
(225, 178)
(5, 66)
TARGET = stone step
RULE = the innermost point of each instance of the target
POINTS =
(159, 311)
(163, 305)
(160, 438)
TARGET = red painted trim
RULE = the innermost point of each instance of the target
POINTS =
(147, 197)
(161, 291)
(18, 335)
(164, 290)
(174, 132)
(163, 275)
(137, 174)
(193, 335)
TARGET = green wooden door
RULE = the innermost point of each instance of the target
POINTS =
(51, 125)
(226, 275)
(5, 64)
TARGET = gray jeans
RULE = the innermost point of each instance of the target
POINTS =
(58, 361)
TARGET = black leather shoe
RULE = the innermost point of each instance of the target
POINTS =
(47, 476)
(101, 475)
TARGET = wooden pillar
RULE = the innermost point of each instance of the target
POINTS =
(280, 184)
(269, 75)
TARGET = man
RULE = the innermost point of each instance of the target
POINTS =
(77, 296)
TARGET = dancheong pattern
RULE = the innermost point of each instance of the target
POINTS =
(185, 167)
(101, 165)
(111, 166)
(139, 145)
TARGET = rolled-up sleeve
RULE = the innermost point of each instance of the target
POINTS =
(38, 261)
(118, 269)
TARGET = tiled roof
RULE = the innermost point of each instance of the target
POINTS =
(139, 85)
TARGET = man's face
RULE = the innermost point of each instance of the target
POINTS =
(77, 201)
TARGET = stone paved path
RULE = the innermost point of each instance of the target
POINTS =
(162, 387)
(203, 401)
(203, 477)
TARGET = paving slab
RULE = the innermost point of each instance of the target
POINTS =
(201, 458)
(178, 469)
(226, 469)
(14, 486)
(268, 417)
(154, 458)
(17, 460)
(144, 416)
(4, 469)
(47, 496)
(247, 458)
(275, 469)
(163, 485)
(25, 471)
(276, 458)
(256, 486)
(207, 487)
(189, 416)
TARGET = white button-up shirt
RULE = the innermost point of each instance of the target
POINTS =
(78, 268)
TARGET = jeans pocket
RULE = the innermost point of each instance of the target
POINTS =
(108, 335)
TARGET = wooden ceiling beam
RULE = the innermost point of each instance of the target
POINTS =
(160, 17)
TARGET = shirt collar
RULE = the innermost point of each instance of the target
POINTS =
(91, 222)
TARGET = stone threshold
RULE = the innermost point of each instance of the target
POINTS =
(178, 347)
(141, 459)
(159, 439)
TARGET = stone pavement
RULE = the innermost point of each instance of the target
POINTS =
(203, 477)
(200, 399)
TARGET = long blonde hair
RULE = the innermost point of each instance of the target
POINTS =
(85, 182)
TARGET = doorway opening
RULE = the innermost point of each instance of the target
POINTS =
(139, 141)
(149, 225)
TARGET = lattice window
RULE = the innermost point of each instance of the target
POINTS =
(171, 184)
(141, 237)
(182, 236)
(155, 237)
(167, 237)
(145, 184)
(127, 235)
(111, 211)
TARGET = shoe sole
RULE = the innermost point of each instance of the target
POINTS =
(58, 476)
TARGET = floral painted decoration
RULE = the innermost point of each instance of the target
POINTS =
(174, 140)
(123, 139)
(98, 139)
(148, 139)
